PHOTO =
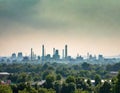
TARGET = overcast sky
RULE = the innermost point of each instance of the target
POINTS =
(85, 25)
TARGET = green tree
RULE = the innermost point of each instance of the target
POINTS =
(89, 82)
(97, 80)
(58, 77)
(116, 88)
(64, 88)
(86, 66)
(57, 87)
(71, 87)
(70, 79)
(81, 84)
(21, 86)
(32, 90)
(44, 90)
(5, 89)
(28, 89)
(68, 87)
(23, 77)
(14, 88)
(105, 88)
(45, 74)
(49, 81)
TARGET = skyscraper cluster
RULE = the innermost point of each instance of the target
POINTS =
(55, 56)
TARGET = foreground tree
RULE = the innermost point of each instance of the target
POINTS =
(97, 80)
(116, 88)
(81, 84)
(49, 81)
(68, 88)
(32, 90)
(71, 87)
(5, 89)
(57, 87)
(44, 90)
(58, 77)
(105, 88)
(70, 79)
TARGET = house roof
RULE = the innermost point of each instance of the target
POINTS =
(4, 73)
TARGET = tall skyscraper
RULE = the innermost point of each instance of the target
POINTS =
(31, 54)
(43, 53)
(63, 56)
(53, 51)
(88, 55)
(13, 57)
(20, 56)
(66, 51)
(56, 56)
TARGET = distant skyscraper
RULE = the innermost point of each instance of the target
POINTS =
(63, 56)
(53, 51)
(20, 56)
(56, 56)
(66, 51)
(100, 58)
(43, 53)
(88, 55)
(13, 57)
(31, 54)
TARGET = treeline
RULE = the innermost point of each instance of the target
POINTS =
(70, 85)
(60, 78)
(39, 71)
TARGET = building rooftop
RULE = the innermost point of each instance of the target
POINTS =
(4, 73)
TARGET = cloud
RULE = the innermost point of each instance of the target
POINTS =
(80, 23)
(16, 8)
(89, 16)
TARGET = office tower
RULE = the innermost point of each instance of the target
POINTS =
(13, 57)
(66, 54)
(57, 52)
(43, 53)
(63, 54)
(88, 55)
(20, 56)
(31, 54)
(100, 58)
(56, 56)
(53, 51)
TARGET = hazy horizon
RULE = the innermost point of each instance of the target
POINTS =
(84, 25)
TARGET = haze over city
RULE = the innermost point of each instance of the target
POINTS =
(84, 25)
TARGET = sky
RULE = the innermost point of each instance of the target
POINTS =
(84, 25)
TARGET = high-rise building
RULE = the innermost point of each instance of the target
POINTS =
(13, 57)
(56, 56)
(53, 51)
(66, 51)
(43, 53)
(20, 56)
(31, 54)
(100, 58)
(63, 56)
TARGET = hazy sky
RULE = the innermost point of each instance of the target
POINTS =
(85, 25)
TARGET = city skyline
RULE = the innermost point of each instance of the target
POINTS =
(63, 53)
(84, 25)
(58, 58)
